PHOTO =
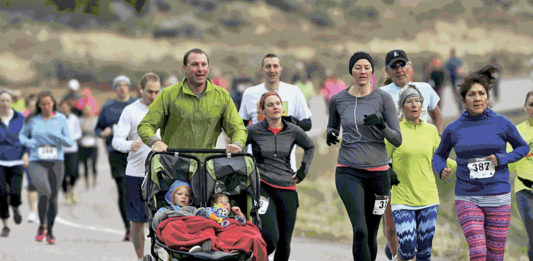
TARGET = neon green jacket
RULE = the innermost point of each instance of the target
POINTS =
(188, 122)
(523, 167)
(412, 164)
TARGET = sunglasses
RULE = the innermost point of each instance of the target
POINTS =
(398, 65)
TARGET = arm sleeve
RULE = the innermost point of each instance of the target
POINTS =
(154, 119)
(243, 112)
(305, 124)
(64, 138)
(392, 128)
(76, 132)
(306, 143)
(249, 136)
(122, 132)
(233, 124)
(101, 123)
(520, 147)
(24, 136)
(443, 151)
(334, 120)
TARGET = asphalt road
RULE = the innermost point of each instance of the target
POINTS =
(92, 229)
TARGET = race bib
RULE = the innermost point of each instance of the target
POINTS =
(47, 152)
(263, 205)
(88, 141)
(380, 204)
(481, 168)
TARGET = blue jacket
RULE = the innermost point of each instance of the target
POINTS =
(480, 136)
(10, 146)
(37, 132)
(109, 116)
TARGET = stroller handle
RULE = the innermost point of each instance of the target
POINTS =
(174, 150)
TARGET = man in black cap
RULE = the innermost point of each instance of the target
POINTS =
(400, 71)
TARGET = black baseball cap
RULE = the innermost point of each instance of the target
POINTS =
(394, 56)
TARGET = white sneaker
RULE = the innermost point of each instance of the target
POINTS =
(33, 218)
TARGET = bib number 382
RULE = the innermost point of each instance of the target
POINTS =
(47, 152)
(481, 168)
(380, 204)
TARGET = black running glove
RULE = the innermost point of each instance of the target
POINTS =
(373, 119)
(393, 177)
(332, 137)
(528, 183)
(300, 174)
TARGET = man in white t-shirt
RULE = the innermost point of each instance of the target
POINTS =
(127, 140)
(295, 107)
(399, 69)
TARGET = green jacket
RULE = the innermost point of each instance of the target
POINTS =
(189, 122)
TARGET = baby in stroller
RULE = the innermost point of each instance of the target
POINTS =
(220, 211)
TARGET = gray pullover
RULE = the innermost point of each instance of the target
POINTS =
(272, 151)
(363, 146)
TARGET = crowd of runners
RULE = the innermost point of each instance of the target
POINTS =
(393, 147)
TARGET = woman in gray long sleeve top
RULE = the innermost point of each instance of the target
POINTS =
(367, 117)
(272, 142)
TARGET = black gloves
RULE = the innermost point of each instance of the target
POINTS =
(332, 137)
(373, 119)
(528, 183)
(393, 177)
(300, 174)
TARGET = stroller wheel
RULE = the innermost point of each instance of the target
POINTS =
(148, 258)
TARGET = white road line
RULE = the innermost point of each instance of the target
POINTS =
(65, 222)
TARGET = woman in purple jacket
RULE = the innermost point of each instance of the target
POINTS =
(482, 188)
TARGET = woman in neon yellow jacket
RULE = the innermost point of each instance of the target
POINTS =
(524, 169)
(415, 200)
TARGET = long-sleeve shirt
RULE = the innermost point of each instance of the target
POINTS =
(412, 164)
(126, 133)
(46, 138)
(74, 129)
(272, 151)
(189, 121)
(11, 148)
(363, 146)
(109, 116)
(477, 137)
(523, 167)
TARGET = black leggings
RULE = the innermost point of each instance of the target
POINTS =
(358, 189)
(278, 221)
(71, 170)
(10, 177)
(85, 154)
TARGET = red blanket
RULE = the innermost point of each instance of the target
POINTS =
(182, 233)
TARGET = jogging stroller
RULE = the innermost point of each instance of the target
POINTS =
(233, 174)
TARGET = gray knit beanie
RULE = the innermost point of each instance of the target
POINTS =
(409, 92)
(121, 78)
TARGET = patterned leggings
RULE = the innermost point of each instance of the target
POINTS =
(485, 229)
(415, 230)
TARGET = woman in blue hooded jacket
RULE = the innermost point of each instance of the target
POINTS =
(482, 188)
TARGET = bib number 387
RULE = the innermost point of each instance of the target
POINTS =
(481, 168)
(380, 204)
(47, 152)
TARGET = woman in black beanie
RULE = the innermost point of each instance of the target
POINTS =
(367, 116)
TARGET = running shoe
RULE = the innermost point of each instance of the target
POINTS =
(127, 236)
(50, 239)
(5, 232)
(41, 234)
(16, 216)
(195, 249)
(33, 218)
